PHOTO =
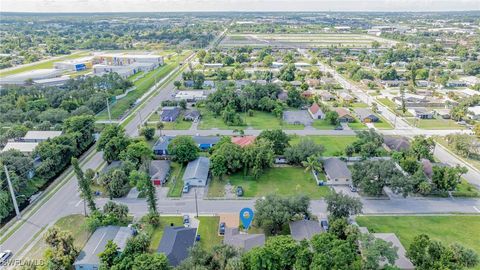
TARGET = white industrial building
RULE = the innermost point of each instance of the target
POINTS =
(74, 65)
(57, 81)
(38, 74)
(125, 64)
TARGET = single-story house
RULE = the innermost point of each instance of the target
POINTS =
(366, 115)
(474, 112)
(283, 96)
(427, 166)
(176, 242)
(337, 172)
(26, 148)
(402, 262)
(423, 83)
(392, 83)
(160, 148)
(88, 258)
(344, 115)
(421, 113)
(170, 114)
(243, 141)
(191, 95)
(206, 142)
(213, 65)
(297, 117)
(444, 113)
(396, 143)
(316, 112)
(313, 82)
(40, 136)
(326, 96)
(346, 97)
(197, 172)
(304, 229)
(159, 171)
(242, 241)
(191, 115)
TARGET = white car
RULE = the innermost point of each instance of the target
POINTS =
(4, 255)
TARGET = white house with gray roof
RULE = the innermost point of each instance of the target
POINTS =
(337, 172)
(197, 172)
(88, 258)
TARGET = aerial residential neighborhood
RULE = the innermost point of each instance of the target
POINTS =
(240, 140)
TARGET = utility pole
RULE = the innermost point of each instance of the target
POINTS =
(108, 110)
(196, 202)
(10, 187)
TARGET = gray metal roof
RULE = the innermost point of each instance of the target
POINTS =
(170, 113)
(197, 169)
(159, 169)
(336, 168)
(162, 143)
(304, 229)
(99, 239)
(175, 243)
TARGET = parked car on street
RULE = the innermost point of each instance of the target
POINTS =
(352, 188)
(4, 256)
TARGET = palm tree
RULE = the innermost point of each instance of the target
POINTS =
(312, 164)
(160, 126)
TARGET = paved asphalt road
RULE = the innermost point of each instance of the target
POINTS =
(66, 201)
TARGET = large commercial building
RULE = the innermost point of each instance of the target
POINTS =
(75, 65)
(125, 64)
(22, 78)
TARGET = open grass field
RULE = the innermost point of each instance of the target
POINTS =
(216, 187)
(333, 144)
(317, 40)
(158, 232)
(259, 120)
(208, 231)
(284, 181)
(448, 229)
(357, 125)
(436, 123)
(74, 224)
(42, 65)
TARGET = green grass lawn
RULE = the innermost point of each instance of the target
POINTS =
(390, 104)
(333, 144)
(259, 120)
(358, 105)
(175, 180)
(208, 231)
(158, 232)
(216, 188)
(285, 181)
(382, 123)
(323, 124)
(357, 125)
(177, 125)
(436, 123)
(142, 86)
(448, 229)
(44, 65)
(74, 224)
(465, 189)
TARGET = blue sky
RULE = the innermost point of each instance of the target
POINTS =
(234, 5)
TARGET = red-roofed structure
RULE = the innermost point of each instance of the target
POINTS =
(243, 141)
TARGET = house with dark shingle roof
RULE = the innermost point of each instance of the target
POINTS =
(242, 241)
(316, 112)
(170, 114)
(344, 115)
(337, 172)
(197, 172)
(396, 143)
(159, 171)
(366, 115)
(191, 115)
(304, 229)
(176, 242)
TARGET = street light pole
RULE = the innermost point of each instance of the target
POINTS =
(10, 187)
